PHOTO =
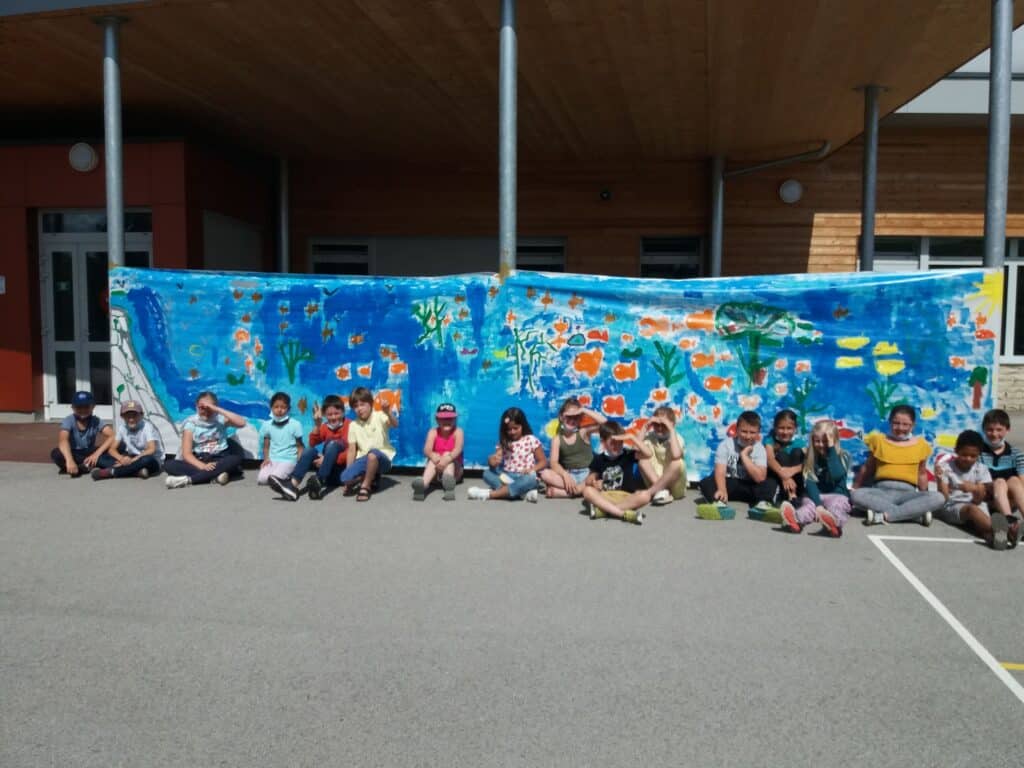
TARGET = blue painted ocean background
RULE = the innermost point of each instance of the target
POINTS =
(847, 346)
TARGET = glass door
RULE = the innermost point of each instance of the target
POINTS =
(76, 323)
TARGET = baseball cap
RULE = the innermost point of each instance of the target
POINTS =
(445, 411)
(129, 406)
(83, 398)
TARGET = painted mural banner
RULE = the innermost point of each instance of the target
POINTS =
(844, 346)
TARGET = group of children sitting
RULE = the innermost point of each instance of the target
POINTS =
(979, 485)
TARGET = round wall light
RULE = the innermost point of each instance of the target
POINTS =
(790, 191)
(83, 157)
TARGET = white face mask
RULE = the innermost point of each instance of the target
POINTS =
(279, 419)
(997, 444)
(612, 454)
(569, 429)
(900, 438)
(334, 427)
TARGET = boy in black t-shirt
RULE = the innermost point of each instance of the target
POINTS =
(613, 487)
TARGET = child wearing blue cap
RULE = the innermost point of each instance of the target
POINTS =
(83, 441)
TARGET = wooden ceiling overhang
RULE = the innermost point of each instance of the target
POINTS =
(416, 81)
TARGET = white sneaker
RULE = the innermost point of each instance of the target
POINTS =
(478, 493)
(874, 518)
(177, 481)
(223, 478)
(531, 496)
(143, 474)
(926, 519)
(662, 497)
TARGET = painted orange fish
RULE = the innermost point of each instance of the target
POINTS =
(803, 366)
(700, 321)
(343, 372)
(248, 365)
(257, 346)
(283, 309)
(717, 383)
(386, 399)
(957, 362)
(398, 368)
(589, 362)
(980, 319)
(237, 294)
(575, 301)
(636, 426)
(463, 313)
(510, 318)
(984, 334)
(365, 370)
(610, 318)
(312, 308)
(492, 291)
(749, 402)
(585, 400)
(302, 405)
(688, 344)
(650, 326)
(257, 296)
(246, 318)
(546, 299)
(194, 373)
(700, 360)
(558, 342)
(659, 395)
(560, 326)
(447, 320)
(356, 338)
(385, 353)
(625, 371)
(781, 389)
(702, 418)
(716, 412)
(283, 325)
(326, 333)
(692, 400)
(780, 365)
(598, 335)
(241, 337)
(456, 335)
(459, 298)
(951, 320)
(531, 292)
(627, 338)
(725, 357)
(614, 405)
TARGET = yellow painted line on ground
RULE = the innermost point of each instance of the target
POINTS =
(1011, 666)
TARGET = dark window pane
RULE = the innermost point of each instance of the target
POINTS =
(97, 295)
(668, 271)
(136, 221)
(63, 296)
(341, 268)
(895, 246)
(66, 378)
(1018, 312)
(138, 259)
(83, 222)
(956, 248)
(99, 377)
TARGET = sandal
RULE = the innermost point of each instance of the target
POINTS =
(364, 494)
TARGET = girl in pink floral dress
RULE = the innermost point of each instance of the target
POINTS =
(518, 457)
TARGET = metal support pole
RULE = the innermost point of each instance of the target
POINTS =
(112, 139)
(507, 140)
(283, 254)
(717, 214)
(869, 179)
(997, 179)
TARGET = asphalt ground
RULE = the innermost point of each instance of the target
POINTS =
(219, 626)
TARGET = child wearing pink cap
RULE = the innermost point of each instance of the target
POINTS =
(443, 449)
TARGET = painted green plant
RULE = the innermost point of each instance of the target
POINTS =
(669, 365)
(800, 401)
(529, 351)
(884, 396)
(431, 318)
(293, 353)
(758, 326)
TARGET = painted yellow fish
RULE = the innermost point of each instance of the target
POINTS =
(849, 362)
(853, 342)
(885, 348)
(889, 366)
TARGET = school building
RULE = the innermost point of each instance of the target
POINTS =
(363, 138)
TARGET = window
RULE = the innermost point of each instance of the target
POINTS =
(340, 257)
(89, 222)
(912, 254)
(672, 258)
(540, 255)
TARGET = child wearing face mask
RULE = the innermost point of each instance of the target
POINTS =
(613, 487)
(664, 472)
(1006, 465)
(892, 486)
(326, 455)
(282, 440)
(571, 452)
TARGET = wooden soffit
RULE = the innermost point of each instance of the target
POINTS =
(600, 81)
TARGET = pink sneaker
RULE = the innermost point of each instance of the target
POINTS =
(828, 522)
(789, 517)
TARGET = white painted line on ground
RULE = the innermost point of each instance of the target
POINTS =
(922, 538)
(972, 642)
